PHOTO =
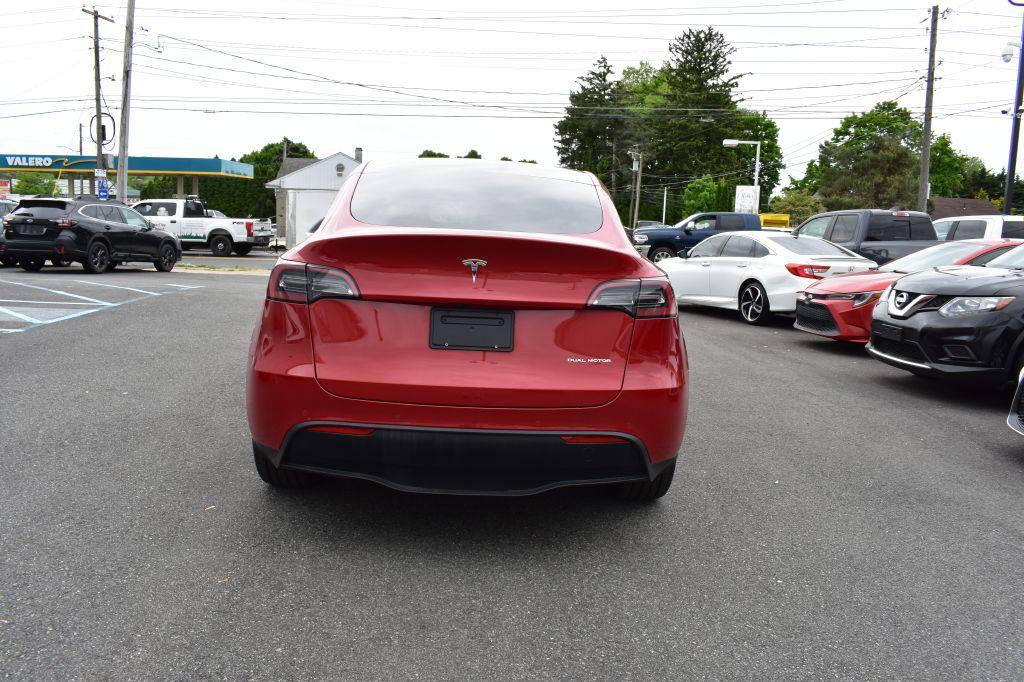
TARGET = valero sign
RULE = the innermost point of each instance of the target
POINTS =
(29, 161)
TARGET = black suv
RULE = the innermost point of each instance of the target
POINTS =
(98, 234)
(957, 321)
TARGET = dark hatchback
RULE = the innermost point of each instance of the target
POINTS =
(98, 234)
(958, 321)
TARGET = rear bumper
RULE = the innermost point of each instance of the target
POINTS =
(259, 240)
(27, 248)
(466, 461)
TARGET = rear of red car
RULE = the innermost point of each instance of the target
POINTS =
(465, 327)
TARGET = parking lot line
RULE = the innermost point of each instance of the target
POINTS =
(114, 286)
(56, 291)
(20, 316)
(18, 300)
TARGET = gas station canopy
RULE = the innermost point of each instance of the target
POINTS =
(137, 165)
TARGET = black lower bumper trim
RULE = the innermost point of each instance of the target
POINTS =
(465, 462)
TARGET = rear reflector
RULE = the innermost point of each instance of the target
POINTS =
(593, 439)
(342, 430)
(650, 297)
(299, 283)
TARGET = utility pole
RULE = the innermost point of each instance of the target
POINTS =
(96, 16)
(664, 204)
(126, 101)
(924, 182)
(638, 172)
(1011, 166)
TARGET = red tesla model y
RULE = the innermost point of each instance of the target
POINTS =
(460, 326)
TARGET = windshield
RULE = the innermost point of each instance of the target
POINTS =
(809, 246)
(932, 257)
(1013, 259)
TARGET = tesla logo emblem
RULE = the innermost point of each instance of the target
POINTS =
(474, 266)
(902, 298)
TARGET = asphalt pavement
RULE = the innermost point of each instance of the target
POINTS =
(831, 517)
(253, 259)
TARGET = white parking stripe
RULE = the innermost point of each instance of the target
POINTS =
(114, 286)
(182, 286)
(16, 300)
(19, 316)
(56, 291)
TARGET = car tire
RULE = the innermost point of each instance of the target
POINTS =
(97, 259)
(167, 258)
(660, 253)
(279, 478)
(646, 491)
(32, 264)
(8, 261)
(243, 249)
(220, 246)
(60, 262)
(753, 304)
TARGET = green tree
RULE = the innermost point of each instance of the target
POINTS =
(472, 154)
(798, 203)
(34, 183)
(872, 160)
(948, 169)
(431, 154)
(700, 195)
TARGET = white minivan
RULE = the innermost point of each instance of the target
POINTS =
(980, 227)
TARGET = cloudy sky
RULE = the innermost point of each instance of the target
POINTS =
(398, 77)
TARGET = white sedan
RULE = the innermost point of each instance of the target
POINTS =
(757, 273)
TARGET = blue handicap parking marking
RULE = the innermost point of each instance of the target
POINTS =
(28, 305)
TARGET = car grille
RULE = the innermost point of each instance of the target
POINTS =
(815, 317)
(899, 349)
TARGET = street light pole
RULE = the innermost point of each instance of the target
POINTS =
(1011, 165)
(732, 144)
(126, 103)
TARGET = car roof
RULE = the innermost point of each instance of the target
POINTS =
(983, 217)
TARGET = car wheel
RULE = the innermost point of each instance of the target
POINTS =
(97, 260)
(167, 259)
(220, 246)
(279, 478)
(8, 261)
(60, 262)
(243, 249)
(660, 253)
(32, 264)
(646, 491)
(754, 306)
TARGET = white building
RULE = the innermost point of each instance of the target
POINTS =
(305, 189)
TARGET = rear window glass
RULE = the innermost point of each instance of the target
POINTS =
(887, 229)
(970, 229)
(809, 246)
(42, 209)
(921, 228)
(475, 195)
(932, 257)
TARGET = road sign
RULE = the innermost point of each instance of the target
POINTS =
(5, 188)
(100, 172)
(101, 189)
(748, 198)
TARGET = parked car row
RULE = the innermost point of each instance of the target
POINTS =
(99, 234)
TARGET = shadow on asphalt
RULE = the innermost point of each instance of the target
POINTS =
(556, 520)
(778, 321)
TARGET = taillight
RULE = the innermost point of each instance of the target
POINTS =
(248, 227)
(810, 271)
(65, 221)
(638, 297)
(298, 283)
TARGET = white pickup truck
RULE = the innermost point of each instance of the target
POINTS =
(191, 221)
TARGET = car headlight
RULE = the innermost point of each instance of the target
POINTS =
(865, 297)
(639, 238)
(962, 306)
